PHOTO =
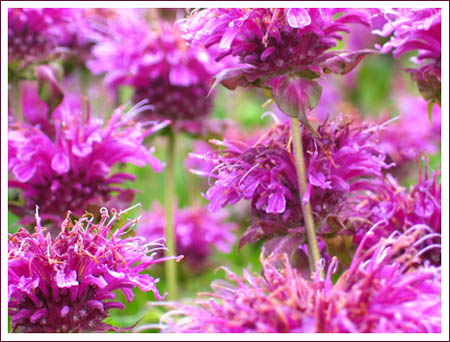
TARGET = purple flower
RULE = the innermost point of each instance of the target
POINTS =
(283, 50)
(346, 159)
(69, 166)
(173, 77)
(196, 161)
(198, 232)
(274, 42)
(81, 34)
(411, 134)
(34, 33)
(417, 29)
(67, 284)
(399, 209)
(383, 291)
(35, 111)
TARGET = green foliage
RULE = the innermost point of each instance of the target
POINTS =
(374, 84)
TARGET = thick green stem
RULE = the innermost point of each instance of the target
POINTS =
(313, 248)
(16, 99)
(171, 270)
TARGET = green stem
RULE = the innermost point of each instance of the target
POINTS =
(84, 79)
(313, 248)
(171, 270)
(16, 99)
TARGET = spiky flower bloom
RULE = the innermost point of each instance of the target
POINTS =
(411, 134)
(34, 33)
(67, 284)
(383, 292)
(198, 232)
(417, 29)
(399, 209)
(283, 50)
(346, 159)
(272, 41)
(173, 77)
(231, 131)
(69, 167)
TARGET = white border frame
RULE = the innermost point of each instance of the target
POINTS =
(5, 336)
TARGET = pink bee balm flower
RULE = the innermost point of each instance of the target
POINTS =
(346, 159)
(411, 134)
(34, 33)
(69, 166)
(382, 292)
(280, 49)
(399, 209)
(198, 232)
(67, 284)
(198, 164)
(272, 41)
(173, 77)
(417, 29)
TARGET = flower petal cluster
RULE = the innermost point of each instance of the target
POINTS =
(411, 134)
(271, 42)
(34, 33)
(173, 77)
(383, 291)
(69, 166)
(67, 284)
(417, 29)
(198, 232)
(398, 209)
(230, 131)
(344, 160)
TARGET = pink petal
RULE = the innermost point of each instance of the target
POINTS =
(60, 163)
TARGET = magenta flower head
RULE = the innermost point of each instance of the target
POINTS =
(198, 164)
(198, 232)
(67, 284)
(399, 209)
(34, 33)
(346, 159)
(272, 42)
(410, 135)
(417, 29)
(162, 69)
(382, 292)
(281, 49)
(69, 167)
